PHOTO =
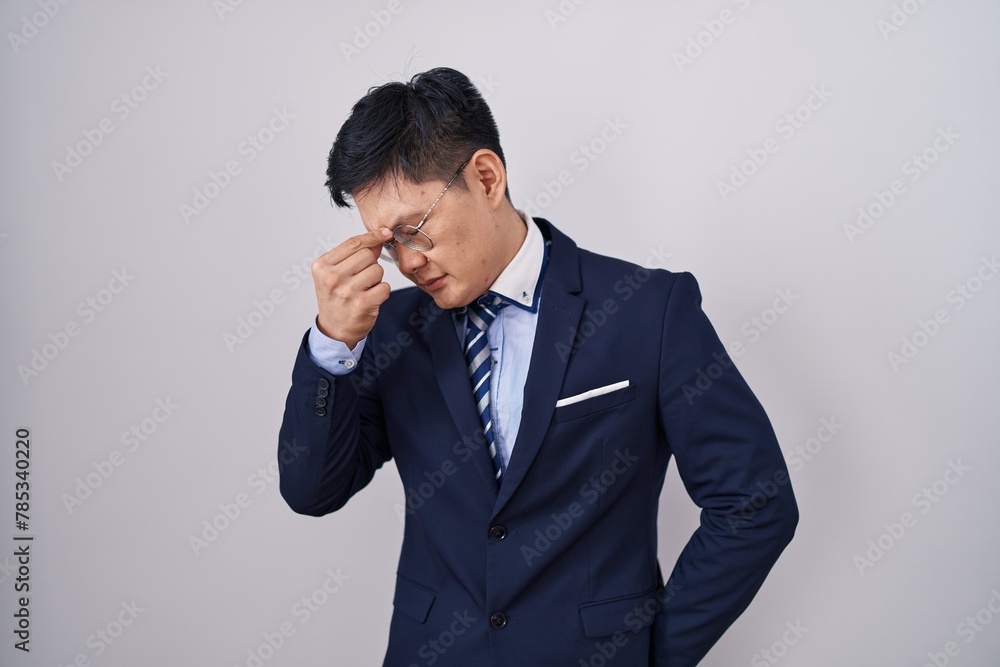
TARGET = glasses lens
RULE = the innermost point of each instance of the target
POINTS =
(389, 253)
(412, 238)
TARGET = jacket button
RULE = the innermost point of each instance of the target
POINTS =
(324, 383)
(320, 402)
(498, 620)
(322, 391)
(498, 533)
(321, 411)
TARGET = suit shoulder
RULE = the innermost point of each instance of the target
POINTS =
(404, 308)
(405, 296)
(597, 269)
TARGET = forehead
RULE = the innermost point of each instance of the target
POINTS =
(394, 201)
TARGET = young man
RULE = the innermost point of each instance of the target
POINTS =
(531, 394)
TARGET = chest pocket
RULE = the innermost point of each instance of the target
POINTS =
(593, 404)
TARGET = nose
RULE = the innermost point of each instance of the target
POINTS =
(410, 260)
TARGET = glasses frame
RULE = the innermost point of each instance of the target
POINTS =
(389, 251)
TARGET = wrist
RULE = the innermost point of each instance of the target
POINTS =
(330, 332)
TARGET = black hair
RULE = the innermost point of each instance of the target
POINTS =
(421, 131)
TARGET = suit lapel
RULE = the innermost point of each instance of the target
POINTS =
(453, 379)
(559, 313)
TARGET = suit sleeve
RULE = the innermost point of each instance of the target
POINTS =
(332, 437)
(332, 355)
(729, 461)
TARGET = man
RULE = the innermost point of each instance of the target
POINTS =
(532, 427)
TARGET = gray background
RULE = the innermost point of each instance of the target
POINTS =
(650, 196)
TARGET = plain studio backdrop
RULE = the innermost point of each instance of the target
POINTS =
(826, 170)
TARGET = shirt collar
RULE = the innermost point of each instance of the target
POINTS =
(520, 282)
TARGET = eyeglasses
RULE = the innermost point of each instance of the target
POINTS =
(412, 236)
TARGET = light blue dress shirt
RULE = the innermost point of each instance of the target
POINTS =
(511, 338)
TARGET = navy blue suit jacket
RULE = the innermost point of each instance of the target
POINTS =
(558, 567)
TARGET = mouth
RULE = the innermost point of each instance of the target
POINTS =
(432, 285)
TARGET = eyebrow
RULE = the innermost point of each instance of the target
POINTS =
(405, 219)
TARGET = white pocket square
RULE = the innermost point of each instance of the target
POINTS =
(569, 400)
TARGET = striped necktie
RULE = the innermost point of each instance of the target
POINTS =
(481, 314)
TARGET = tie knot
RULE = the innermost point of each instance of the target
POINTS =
(484, 310)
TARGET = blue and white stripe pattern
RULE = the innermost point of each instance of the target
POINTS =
(481, 314)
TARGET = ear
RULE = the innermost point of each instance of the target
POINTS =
(489, 176)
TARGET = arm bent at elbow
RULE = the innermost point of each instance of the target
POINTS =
(332, 438)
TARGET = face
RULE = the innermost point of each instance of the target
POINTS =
(468, 252)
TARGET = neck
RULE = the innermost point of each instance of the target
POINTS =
(512, 231)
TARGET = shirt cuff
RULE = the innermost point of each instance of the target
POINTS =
(331, 355)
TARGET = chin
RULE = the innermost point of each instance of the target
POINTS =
(444, 302)
(447, 299)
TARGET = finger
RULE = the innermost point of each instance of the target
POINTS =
(359, 261)
(353, 289)
(367, 301)
(372, 239)
(380, 293)
(368, 277)
(329, 273)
